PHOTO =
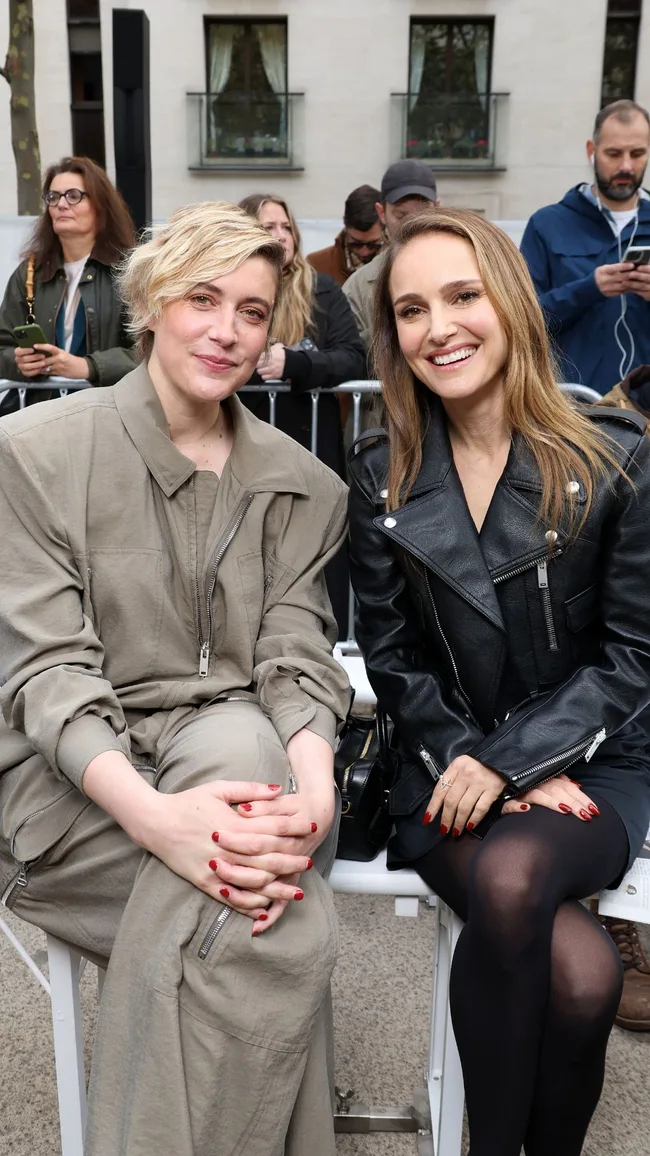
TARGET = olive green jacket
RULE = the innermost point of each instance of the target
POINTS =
(109, 347)
(105, 613)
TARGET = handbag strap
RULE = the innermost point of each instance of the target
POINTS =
(29, 289)
(383, 736)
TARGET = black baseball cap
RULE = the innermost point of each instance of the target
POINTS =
(408, 179)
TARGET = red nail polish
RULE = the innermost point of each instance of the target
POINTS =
(255, 933)
(314, 828)
(525, 806)
(215, 836)
(427, 818)
(586, 816)
(576, 783)
(263, 917)
(246, 807)
(213, 864)
(443, 829)
(470, 826)
(563, 807)
(299, 894)
(456, 833)
(593, 808)
(274, 786)
(310, 864)
(225, 892)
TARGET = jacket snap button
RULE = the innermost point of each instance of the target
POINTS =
(551, 536)
(573, 487)
(383, 493)
(389, 523)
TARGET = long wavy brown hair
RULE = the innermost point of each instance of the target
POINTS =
(115, 229)
(292, 319)
(564, 442)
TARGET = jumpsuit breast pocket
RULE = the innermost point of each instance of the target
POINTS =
(125, 595)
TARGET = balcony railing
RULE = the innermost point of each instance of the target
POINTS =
(245, 130)
(455, 131)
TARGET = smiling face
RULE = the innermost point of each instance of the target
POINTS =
(447, 327)
(273, 218)
(207, 344)
(72, 220)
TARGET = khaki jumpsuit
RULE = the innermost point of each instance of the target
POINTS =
(182, 619)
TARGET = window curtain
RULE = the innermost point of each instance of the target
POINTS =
(482, 63)
(222, 38)
(273, 47)
(418, 53)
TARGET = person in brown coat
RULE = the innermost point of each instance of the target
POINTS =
(360, 239)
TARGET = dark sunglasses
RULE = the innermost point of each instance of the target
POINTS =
(72, 196)
(375, 245)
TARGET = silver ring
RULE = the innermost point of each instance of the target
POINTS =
(445, 784)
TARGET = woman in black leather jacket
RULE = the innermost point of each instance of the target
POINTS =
(501, 559)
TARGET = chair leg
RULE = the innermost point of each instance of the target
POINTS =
(444, 1076)
(64, 965)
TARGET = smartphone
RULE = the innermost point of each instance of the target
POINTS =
(27, 336)
(638, 254)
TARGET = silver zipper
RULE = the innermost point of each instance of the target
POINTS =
(229, 534)
(32, 815)
(586, 748)
(19, 880)
(444, 637)
(213, 931)
(526, 566)
(547, 607)
(430, 763)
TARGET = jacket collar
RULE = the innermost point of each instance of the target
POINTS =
(436, 526)
(262, 459)
(102, 254)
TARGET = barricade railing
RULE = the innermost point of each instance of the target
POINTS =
(357, 389)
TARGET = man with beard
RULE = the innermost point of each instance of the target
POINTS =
(359, 241)
(597, 305)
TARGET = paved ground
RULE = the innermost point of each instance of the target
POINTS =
(381, 989)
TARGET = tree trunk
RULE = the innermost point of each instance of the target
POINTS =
(19, 74)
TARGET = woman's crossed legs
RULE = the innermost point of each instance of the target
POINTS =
(535, 982)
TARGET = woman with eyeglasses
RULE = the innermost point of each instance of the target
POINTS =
(64, 284)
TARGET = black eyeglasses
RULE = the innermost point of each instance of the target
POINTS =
(72, 196)
(374, 245)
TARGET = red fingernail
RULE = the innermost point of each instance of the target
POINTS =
(225, 892)
(246, 807)
(455, 833)
(262, 917)
(274, 786)
(215, 836)
(563, 807)
(443, 829)
(586, 816)
(299, 894)
(525, 806)
(213, 864)
(310, 864)
(256, 933)
(576, 783)
(427, 819)
(593, 808)
(314, 828)
(470, 826)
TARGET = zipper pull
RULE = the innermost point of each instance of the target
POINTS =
(542, 574)
(204, 660)
(429, 763)
(600, 738)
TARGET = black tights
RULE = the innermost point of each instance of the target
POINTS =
(536, 981)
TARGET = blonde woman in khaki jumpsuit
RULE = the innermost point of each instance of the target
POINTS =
(170, 705)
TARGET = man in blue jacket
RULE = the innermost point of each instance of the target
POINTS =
(597, 305)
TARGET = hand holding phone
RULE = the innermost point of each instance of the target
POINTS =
(638, 255)
(27, 336)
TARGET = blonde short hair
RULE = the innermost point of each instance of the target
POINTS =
(198, 243)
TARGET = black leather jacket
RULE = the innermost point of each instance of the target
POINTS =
(570, 625)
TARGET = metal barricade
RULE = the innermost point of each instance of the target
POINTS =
(358, 389)
(62, 385)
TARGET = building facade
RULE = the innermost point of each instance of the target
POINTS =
(309, 98)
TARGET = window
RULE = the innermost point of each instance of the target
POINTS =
(247, 95)
(86, 85)
(449, 89)
(621, 44)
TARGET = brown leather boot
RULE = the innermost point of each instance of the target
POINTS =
(634, 1008)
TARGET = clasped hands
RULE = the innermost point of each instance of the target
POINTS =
(242, 843)
(467, 790)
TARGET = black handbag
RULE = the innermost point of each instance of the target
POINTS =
(365, 768)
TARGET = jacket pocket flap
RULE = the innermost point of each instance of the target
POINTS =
(582, 608)
(410, 791)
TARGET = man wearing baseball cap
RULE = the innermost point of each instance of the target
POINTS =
(406, 188)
